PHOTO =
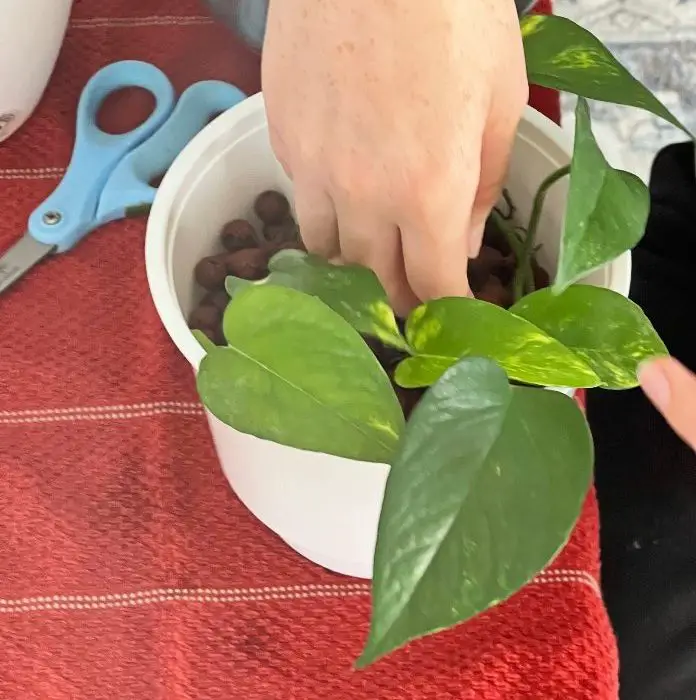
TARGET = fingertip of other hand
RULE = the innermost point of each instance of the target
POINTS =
(654, 378)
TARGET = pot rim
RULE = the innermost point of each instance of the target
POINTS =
(203, 149)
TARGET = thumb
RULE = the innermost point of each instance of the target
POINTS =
(672, 390)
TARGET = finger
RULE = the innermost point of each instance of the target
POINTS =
(369, 241)
(434, 237)
(316, 218)
(496, 149)
(436, 263)
(434, 219)
(672, 390)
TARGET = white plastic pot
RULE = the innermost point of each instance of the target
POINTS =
(31, 34)
(324, 507)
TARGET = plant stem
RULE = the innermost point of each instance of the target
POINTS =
(523, 273)
(508, 229)
(510, 205)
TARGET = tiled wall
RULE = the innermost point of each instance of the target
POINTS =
(656, 41)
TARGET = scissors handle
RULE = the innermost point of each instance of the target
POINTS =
(69, 213)
(128, 189)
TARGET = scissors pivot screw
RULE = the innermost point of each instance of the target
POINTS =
(51, 218)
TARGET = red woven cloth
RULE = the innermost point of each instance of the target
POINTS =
(128, 568)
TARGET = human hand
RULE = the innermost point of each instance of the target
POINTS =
(672, 389)
(395, 121)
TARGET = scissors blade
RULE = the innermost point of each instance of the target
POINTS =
(20, 258)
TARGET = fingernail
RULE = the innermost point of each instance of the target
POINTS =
(655, 384)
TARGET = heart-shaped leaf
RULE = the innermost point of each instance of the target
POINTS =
(296, 373)
(606, 212)
(352, 291)
(561, 55)
(486, 486)
(608, 331)
(444, 331)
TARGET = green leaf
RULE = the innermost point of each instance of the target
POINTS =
(608, 331)
(296, 373)
(563, 56)
(606, 211)
(206, 343)
(484, 491)
(352, 291)
(444, 331)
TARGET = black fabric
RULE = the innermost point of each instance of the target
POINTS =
(645, 475)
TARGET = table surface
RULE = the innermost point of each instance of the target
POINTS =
(128, 568)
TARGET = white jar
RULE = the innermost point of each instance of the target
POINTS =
(31, 34)
(325, 507)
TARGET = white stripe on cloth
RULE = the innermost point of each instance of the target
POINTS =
(31, 173)
(154, 596)
(151, 21)
(101, 413)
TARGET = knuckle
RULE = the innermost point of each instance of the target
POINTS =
(422, 185)
(342, 168)
(351, 179)
(431, 194)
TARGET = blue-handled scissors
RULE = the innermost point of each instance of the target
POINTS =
(109, 175)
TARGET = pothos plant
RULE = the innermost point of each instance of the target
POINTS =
(489, 473)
